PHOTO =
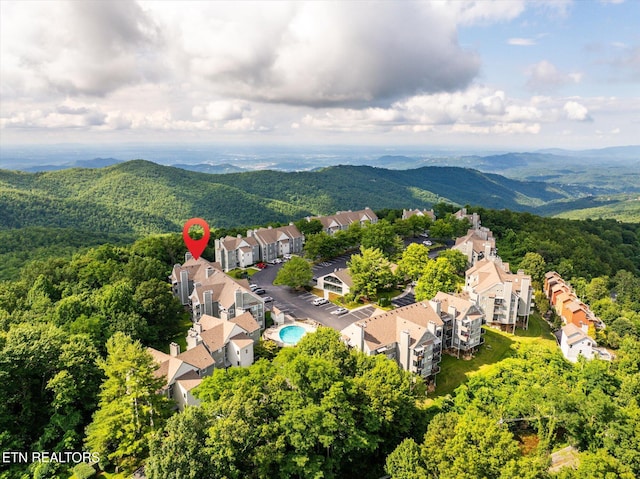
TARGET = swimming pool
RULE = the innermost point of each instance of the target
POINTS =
(292, 334)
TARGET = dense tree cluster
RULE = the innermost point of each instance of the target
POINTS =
(481, 430)
(317, 410)
(55, 323)
(572, 248)
(69, 324)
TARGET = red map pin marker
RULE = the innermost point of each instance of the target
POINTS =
(196, 247)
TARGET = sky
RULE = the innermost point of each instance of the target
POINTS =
(510, 74)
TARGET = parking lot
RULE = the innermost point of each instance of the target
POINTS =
(404, 300)
(299, 304)
(325, 267)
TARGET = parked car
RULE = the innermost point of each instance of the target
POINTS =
(260, 291)
(427, 243)
(340, 311)
(287, 257)
(261, 265)
(319, 301)
(253, 286)
(267, 299)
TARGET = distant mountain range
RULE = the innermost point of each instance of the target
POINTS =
(95, 163)
(142, 197)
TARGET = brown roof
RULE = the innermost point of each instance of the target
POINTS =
(241, 340)
(343, 275)
(384, 329)
(574, 306)
(224, 287)
(345, 218)
(246, 321)
(273, 235)
(189, 380)
(494, 272)
(477, 240)
(196, 269)
(463, 306)
(208, 322)
(574, 334)
(216, 337)
(198, 357)
(231, 243)
(168, 365)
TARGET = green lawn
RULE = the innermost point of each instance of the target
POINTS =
(181, 336)
(239, 273)
(497, 346)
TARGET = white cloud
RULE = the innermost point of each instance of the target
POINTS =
(298, 69)
(544, 76)
(222, 110)
(73, 48)
(308, 53)
(576, 111)
(521, 42)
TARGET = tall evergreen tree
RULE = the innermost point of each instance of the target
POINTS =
(130, 408)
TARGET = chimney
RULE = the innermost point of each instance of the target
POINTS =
(360, 337)
(238, 299)
(193, 339)
(487, 250)
(239, 236)
(184, 287)
(187, 256)
(404, 349)
(197, 328)
(210, 271)
(453, 312)
(436, 305)
(208, 302)
(174, 349)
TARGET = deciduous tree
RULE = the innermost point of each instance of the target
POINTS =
(370, 272)
(413, 261)
(295, 273)
(438, 275)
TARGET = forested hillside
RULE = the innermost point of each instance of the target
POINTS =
(67, 324)
(142, 197)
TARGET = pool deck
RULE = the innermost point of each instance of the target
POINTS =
(273, 333)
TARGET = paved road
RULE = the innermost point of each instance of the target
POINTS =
(299, 304)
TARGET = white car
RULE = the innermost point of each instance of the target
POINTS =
(340, 311)
(253, 287)
(319, 301)
(427, 243)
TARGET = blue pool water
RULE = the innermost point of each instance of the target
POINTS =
(292, 334)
